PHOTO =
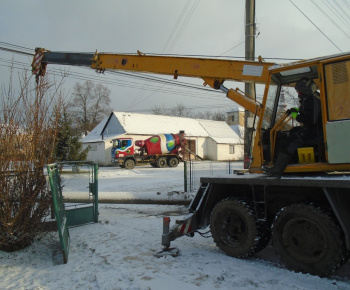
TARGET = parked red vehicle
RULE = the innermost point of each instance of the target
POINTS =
(158, 151)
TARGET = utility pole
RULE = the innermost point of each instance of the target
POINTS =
(249, 88)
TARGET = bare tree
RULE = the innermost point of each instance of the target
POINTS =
(219, 116)
(89, 104)
(28, 129)
(204, 115)
(180, 111)
(158, 110)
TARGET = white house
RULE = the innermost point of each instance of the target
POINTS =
(213, 140)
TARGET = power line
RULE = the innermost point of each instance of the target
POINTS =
(175, 26)
(330, 19)
(334, 10)
(16, 48)
(315, 25)
(342, 11)
(346, 4)
(15, 51)
(233, 47)
(184, 24)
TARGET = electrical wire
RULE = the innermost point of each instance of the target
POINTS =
(173, 41)
(232, 48)
(338, 12)
(330, 19)
(175, 27)
(346, 4)
(183, 25)
(315, 25)
(342, 11)
(15, 48)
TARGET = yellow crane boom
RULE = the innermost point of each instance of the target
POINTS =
(214, 72)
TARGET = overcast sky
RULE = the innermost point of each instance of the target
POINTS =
(307, 29)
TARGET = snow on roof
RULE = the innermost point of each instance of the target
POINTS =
(95, 134)
(227, 140)
(237, 109)
(219, 131)
(239, 130)
(134, 123)
(148, 124)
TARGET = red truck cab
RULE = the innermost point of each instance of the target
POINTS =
(122, 147)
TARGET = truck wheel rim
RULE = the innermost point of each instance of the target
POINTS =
(304, 240)
(234, 229)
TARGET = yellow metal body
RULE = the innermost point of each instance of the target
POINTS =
(215, 72)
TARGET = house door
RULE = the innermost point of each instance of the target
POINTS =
(190, 150)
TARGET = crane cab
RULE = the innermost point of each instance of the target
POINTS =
(330, 148)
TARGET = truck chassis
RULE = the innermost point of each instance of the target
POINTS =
(157, 160)
(307, 218)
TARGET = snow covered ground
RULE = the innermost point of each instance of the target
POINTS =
(117, 252)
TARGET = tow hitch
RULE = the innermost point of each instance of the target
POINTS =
(187, 226)
(167, 251)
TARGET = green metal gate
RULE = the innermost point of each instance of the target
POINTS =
(74, 187)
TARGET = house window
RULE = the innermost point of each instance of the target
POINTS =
(233, 118)
(232, 149)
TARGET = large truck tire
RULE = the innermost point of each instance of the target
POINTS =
(161, 162)
(129, 164)
(173, 162)
(308, 240)
(234, 228)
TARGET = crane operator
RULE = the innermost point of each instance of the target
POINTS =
(309, 115)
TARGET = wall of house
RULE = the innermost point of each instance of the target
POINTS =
(224, 152)
(97, 152)
(208, 148)
(212, 150)
(236, 117)
(221, 152)
(239, 152)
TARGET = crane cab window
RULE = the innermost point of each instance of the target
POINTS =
(337, 76)
(270, 104)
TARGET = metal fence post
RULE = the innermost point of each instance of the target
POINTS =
(96, 193)
(191, 176)
(185, 176)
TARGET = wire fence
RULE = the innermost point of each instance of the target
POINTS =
(76, 181)
(197, 169)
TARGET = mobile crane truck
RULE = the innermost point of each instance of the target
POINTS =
(158, 151)
(306, 213)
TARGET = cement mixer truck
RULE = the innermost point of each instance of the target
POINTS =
(159, 151)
